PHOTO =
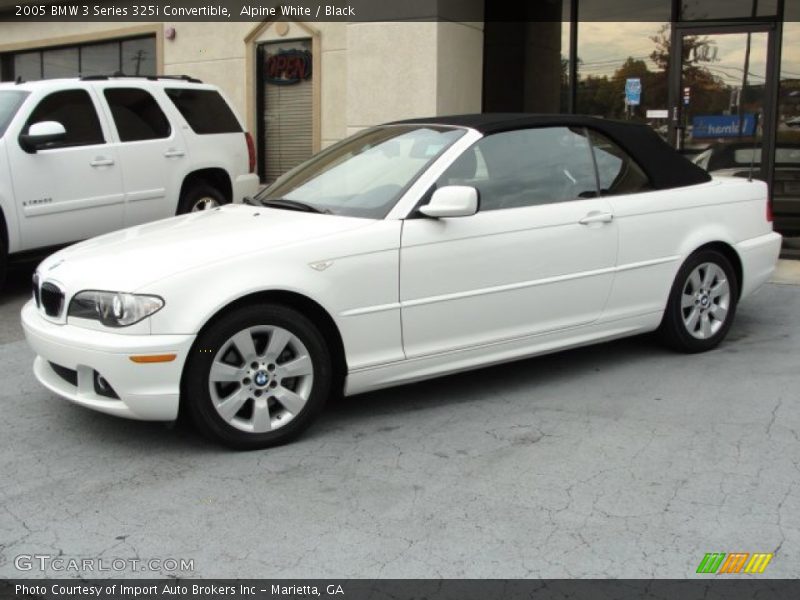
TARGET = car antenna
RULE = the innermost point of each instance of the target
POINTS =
(755, 147)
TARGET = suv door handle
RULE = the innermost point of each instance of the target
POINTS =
(102, 162)
(173, 153)
(596, 217)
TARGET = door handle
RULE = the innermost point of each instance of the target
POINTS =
(102, 162)
(596, 217)
(173, 153)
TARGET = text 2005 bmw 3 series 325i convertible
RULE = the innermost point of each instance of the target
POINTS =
(407, 251)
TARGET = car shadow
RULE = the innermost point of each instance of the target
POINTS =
(18, 282)
(530, 373)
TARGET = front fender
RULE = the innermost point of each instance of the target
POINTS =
(366, 312)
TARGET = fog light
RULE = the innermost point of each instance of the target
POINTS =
(102, 387)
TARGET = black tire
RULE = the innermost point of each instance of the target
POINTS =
(3, 262)
(196, 193)
(196, 392)
(674, 331)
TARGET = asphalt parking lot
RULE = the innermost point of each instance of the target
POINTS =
(620, 460)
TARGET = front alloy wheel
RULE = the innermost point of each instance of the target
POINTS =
(261, 378)
(257, 377)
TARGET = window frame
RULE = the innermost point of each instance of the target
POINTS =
(8, 72)
(587, 131)
(578, 129)
(592, 145)
(172, 91)
(63, 145)
(155, 101)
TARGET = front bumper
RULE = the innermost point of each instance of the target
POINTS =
(146, 391)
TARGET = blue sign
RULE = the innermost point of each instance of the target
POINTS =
(633, 91)
(723, 126)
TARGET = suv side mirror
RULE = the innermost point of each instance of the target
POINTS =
(452, 201)
(41, 134)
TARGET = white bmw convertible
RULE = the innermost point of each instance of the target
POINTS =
(407, 251)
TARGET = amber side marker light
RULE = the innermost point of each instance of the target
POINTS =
(153, 358)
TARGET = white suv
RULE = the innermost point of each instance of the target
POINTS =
(81, 157)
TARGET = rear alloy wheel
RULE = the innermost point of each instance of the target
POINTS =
(200, 197)
(258, 377)
(702, 303)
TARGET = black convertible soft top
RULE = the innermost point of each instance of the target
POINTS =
(665, 167)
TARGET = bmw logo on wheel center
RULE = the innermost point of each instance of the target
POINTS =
(261, 378)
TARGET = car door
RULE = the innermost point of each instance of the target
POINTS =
(152, 153)
(650, 223)
(71, 189)
(539, 255)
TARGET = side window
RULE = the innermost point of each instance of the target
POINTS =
(618, 172)
(136, 115)
(205, 110)
(75, 110)
(527, 167)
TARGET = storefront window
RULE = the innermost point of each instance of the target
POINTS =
(615, 58)
(100, 59)
(622, 65)
(132, 57)
(699, 10)
(786, 181)
(789, 95)
(723, 86)
(63, 62)
(27, 66)
(139, 57)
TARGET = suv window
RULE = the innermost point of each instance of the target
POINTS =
(75, 110)
(136, 115)
(618, 173)
(10, 101)
(205, 110)
(526, 168)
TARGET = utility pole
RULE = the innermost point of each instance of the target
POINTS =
(138, 60)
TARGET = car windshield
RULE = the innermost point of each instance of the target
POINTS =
(10, 101)
(364, 175)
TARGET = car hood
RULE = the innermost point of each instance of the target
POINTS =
(128, 259)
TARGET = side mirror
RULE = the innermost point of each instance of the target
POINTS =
(452, 201)
(41, 134)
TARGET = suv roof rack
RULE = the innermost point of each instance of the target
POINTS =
(149, 77)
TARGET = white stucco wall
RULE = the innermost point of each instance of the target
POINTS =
(368, 72)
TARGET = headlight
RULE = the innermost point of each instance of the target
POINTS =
(113, 309)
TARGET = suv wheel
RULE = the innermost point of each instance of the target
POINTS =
(3, 261)
(200, 196)
(258, 377)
